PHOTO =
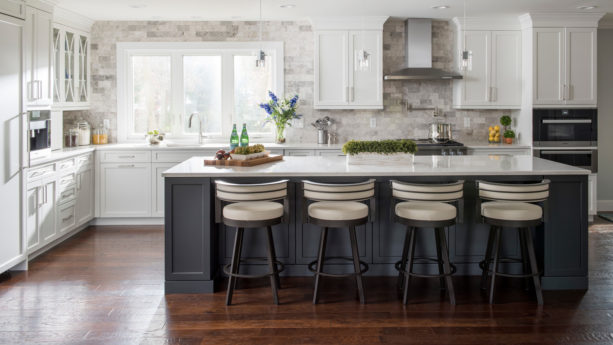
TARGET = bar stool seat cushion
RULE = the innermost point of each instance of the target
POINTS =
(338, 210)
(511, 210)
(253, 210)
(426, 210)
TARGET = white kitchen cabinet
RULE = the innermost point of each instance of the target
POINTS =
(14, 8)
(564, 67)
(300, 152)
(125, 190)
(84, 207)
(330, 153)
(71, 68)
(66, 217)
(592, 182)
(39, 83)
(158, 187)
(40, 213)
(494, 82)
(339, 82)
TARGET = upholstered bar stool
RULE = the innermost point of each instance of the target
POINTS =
(252, 206)
(338, 206)
(512, 206)
(426, 206)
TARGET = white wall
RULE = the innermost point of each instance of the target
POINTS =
(605, 120)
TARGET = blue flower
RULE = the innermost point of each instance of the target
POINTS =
(273, 97)
(266, 107)
(293, 101)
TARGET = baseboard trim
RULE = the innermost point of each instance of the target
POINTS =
(58, 240)
(605, 205)
(128, 221)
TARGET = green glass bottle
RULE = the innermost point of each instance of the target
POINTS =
(234, 138)
(244, 136)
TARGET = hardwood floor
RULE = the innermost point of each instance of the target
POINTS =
(105, 286)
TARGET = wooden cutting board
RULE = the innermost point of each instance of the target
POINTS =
(245, 163)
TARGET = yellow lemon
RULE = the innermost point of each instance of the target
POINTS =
(497, 127)
(491, 128)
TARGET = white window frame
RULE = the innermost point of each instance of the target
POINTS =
(227, 50)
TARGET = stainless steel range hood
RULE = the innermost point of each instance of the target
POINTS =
(418, 54)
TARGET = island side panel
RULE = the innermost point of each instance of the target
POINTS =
(566, 234)
(189, 236)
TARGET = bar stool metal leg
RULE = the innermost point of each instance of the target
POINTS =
(403, 261)
(524, 258)
(533, 265)
(437, 239)
(236, 256)
(320, 262)
(488, 257)
(407, 276)
(274, 256)
(272, 266)
(356, 264)
(240, 235)
(495, 263)
(446, 264)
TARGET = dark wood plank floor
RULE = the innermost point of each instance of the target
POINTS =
(105, 286)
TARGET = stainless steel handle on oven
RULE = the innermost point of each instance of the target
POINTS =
(568, 121)
(565, 152)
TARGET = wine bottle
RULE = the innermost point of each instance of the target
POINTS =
(234, 138)
(244, 136)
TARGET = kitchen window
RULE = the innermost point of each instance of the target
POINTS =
(160, 84)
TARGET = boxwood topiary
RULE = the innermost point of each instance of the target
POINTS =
(386, 147)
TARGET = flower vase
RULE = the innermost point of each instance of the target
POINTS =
(280, 135)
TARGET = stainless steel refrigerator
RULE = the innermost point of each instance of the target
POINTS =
(12, 246)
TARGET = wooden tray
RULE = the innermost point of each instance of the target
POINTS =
(246, 163)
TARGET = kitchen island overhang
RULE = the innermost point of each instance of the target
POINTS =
(196, 247)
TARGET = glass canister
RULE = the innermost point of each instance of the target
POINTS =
(85, 133)
(101, 135)
(71, 137)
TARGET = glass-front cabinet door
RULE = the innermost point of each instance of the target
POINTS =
(71, 68)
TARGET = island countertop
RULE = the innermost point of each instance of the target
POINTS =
(422, 166)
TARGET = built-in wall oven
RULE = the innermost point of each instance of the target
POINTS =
(39, 133)
(568, 136)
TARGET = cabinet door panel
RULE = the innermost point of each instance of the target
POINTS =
(33, 196)
(125, 190)
(46, 213)
(366, 85)
(84, 208)
(548, 66)
(477, 81)
(43, 27)
(157, 187)
(506, 68)
(581, 66)
(331, 68)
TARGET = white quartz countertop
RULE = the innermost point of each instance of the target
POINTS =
(212, 146)
(422, 166)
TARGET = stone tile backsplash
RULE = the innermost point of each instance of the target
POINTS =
(392, 122)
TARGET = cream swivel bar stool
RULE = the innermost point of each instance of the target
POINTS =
(426, 206)
(252, 206)
(336, 206)
(512, 206)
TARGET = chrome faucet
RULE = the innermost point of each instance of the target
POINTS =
(199, 126)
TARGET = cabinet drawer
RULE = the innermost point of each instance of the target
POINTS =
(66, 219)
(66, 165)
(68, 193)
(66, 179)
(179, 156)
(85, 160)
(15, 8)
(38, 173)
(330, 153)
(299, 152)
(125, 156)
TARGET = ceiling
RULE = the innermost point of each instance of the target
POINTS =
(272, 10)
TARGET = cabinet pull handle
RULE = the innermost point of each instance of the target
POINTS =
(40, 200)
(494, 94)
(347, 93)
(29, 90)
(132, 156)
(64, 196)
(66, 218)
(351, 93)
(79, 182)
(45, 194)
(127, 166)
(66, 180)
(568, 98)
(39, 88)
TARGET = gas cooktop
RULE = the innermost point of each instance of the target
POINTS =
(430, 142)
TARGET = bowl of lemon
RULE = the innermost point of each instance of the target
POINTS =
(494, 137)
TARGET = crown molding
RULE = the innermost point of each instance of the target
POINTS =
(487, 23)
(44, 5)
(573, 19)
(348, 23)
(72, 19)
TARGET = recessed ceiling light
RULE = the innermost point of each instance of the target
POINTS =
(288, 6)
(442, 7)
(585, 8)
(138, 5)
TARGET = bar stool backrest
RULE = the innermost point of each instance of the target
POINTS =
(226, 192)
(444, 192)
(525, 192)
(360, 191)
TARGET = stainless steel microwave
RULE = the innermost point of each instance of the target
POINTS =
(565, 127)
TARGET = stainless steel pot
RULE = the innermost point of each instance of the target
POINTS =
(440, 132)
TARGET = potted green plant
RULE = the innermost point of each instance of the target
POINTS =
(508, 135)
(380, 151)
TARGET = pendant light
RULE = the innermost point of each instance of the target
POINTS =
(466, 57)
(260, 59)
(362, 56)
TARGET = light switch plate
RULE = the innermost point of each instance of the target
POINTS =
(373, 122)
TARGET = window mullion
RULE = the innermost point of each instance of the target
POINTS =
(177, 108)
(227, 93)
